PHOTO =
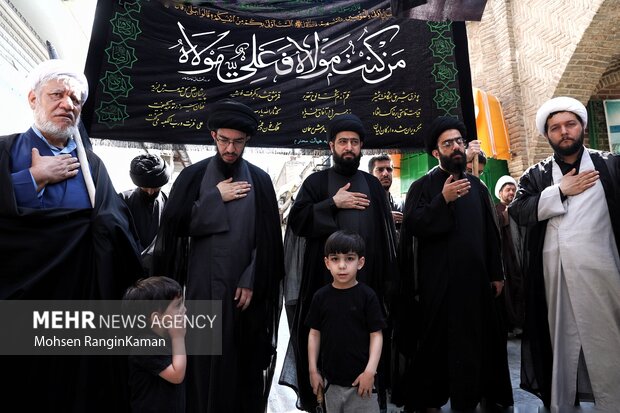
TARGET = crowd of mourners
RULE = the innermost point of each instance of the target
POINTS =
(410, 303)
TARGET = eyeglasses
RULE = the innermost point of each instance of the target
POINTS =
(448, 143)
(237, 143)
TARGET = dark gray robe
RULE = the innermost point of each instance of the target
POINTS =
(223, 238)
(213, 248)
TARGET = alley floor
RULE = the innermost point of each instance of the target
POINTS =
(282, 399)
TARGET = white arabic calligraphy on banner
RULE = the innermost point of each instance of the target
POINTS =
(309, 58)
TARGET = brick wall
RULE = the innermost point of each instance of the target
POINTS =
(525, 52)
(608, 88)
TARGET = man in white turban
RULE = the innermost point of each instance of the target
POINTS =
(570, 203)
(505, 189)
(57, 244)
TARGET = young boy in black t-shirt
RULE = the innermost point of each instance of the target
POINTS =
(156, 380)
(345, 321)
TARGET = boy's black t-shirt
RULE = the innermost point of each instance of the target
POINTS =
(149, 392)
(345, 319)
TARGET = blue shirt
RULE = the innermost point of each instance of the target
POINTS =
(70, 193)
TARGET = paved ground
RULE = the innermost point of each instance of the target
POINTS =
(282, 399)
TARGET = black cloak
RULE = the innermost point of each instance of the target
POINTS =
(513, 307)
(536, 352)
(449, 254)
(65, 254)
(146, 212)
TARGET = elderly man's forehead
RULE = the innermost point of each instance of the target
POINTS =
(62, 84)
(67, 81)
(54, 69)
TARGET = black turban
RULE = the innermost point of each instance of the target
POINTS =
(149, 171)
(439, 126)
(346, 122)
(230, 114)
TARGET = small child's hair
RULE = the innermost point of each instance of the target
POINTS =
(343, 242)
(159, 290)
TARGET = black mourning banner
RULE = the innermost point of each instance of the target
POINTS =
(155, 67)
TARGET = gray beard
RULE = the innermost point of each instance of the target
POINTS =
(47, 127)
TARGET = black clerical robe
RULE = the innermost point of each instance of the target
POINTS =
(314, 217)
(513, 297)
(461, 351)
(395, 206)
(146, 212)
(213, 256)
(66, 254)
(536, 350)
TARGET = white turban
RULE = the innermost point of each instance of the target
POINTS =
(560, 104)
(55, 68)
(503, 180)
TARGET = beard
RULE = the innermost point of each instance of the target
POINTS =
(227, 169)
(346, 166)
(451, 164)
(47, 127)
(149, 198)
(568, 150)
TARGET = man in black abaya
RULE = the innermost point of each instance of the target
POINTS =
(58, 244)
(341, 197)
(512, 235)
(146, 202)
(569, 205)
(220, 236)
(461, 352)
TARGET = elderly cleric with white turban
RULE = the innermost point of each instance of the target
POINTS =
(570, 206)
(65, 234)
(59, 69)
(57, 92)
